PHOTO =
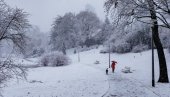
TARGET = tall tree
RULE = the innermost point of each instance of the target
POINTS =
(64, 32)
(89, 24)
(163, 68)
(147, 11)
(106, 31)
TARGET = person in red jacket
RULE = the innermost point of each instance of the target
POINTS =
(113, 66)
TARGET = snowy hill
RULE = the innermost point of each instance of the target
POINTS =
(87, 79)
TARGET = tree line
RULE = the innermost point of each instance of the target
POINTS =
(82, 29)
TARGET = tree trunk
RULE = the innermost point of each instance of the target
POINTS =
(163, 77)
(64, 49)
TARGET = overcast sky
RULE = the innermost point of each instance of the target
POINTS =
(43, 12)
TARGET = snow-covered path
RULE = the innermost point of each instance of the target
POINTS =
(124, 87)
(75, 80)
(136, 84)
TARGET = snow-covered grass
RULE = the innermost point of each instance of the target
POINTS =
(87, 79)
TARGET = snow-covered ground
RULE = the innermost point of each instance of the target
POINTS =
(75, 80)
(86, 79)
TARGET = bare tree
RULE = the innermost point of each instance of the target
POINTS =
(13, 24)
(151, 12)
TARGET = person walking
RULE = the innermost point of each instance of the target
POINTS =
(113, 66)
(107, 71)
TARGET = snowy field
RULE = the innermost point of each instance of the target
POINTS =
(87, 79)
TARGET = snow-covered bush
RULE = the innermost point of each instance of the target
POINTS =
(11, 70)
(54, 59)
(90, 42)
(126, 70)
(140, 48)
(45, 60)
(103, 51)
(113, 48)
(136, 37)
(38, 52)
(164, 36)
(123, 48)
(140, 37)
(97, 62)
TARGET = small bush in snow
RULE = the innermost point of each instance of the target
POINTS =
(104, 51)
(126, 70)
(139, 37)
(54, 59)
(45, 60)
(97, 62)
(9, 69)
(113, 48)
(123, 48)
(75, 51)
(140, 48)
(107, 50)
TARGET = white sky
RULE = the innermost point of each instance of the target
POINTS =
(43, 12)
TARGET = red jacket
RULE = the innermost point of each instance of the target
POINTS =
(113, 64)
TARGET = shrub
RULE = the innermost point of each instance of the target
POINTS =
(54, 59)
(35, 52)
(140, 37)
(11, 70)
(38, 52)
(104, 51)
(107, 50)
(90, 42)
(113, 48)
(123, 48)
(136, 41)
(140, 48)
(45, 60)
